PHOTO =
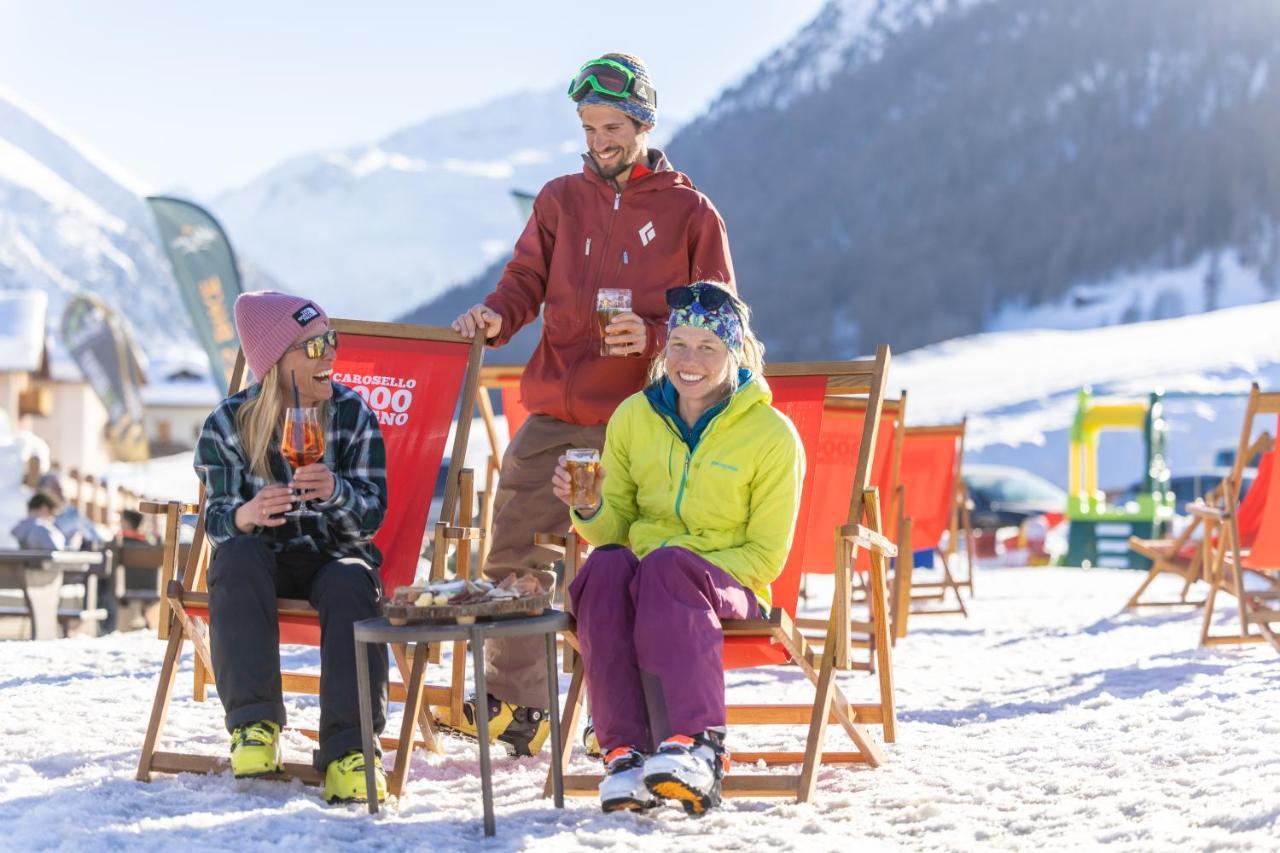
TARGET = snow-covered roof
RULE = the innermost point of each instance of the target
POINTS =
(180, 378)
(22, 323)
(180, 393)
(62, 367)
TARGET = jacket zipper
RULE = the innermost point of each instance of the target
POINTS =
(604, 249)
(688, 457)
(585, 306)
(680, 494)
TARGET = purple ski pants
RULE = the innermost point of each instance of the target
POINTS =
(651, 644)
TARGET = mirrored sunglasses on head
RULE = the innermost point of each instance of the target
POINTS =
(710, 298)
(315, 347)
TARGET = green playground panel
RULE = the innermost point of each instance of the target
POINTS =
(1099, 532)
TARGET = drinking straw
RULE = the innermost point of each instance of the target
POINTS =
(298, 439)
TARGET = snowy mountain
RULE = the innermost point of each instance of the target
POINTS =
(926, 169)
(375, 230)
(69, 222)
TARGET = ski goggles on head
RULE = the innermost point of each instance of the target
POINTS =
(611, 79)
(315, 347)
(710, 298)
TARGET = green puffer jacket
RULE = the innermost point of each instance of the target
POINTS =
(732, 499)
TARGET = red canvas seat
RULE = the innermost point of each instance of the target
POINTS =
(934, 516)
(1184, 555)
(1230, 557)
(801, 399)
(836, 465)
(414, 378)
(800, 391)
(504, 381)
(840, 439)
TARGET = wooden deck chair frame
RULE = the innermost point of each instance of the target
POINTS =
(178, 626)
(866, 376)
(1226, 556)
(501, 379)
(862, 634)
(921, 598)
(1170, 555)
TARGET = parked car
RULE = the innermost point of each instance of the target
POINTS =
(1017, 516)
(1187, 487)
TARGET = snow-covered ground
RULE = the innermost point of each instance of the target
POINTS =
(1048, 719)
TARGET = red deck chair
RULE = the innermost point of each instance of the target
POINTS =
(835, 469)
(799, 391)
(1183, 555)
(415, 378)
(1230, 557)
(504, 381)
(934, 510)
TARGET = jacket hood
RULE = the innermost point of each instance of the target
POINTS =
(751, 391)
(663, 173)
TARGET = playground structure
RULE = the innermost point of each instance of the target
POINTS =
(1100, 530)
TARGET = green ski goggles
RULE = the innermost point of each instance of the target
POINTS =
(611, 79)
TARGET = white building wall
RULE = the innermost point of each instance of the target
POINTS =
(184, 423)
(76, 430)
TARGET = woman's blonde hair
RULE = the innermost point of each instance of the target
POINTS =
(751, 357)
(261, 418)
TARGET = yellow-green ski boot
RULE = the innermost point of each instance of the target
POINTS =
(344, 779)
(255, 749)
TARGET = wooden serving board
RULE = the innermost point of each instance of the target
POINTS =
(398, 613)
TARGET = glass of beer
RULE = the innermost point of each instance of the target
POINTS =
(583, 464)
(610, 302)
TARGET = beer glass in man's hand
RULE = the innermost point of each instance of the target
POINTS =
(610, 302)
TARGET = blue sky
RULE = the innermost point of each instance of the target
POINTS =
(203, 96)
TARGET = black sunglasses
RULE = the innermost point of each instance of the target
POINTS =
(710, 298)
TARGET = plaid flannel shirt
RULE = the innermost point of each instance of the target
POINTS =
(354, 453)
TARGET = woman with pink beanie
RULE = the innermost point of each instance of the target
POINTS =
(259, 555)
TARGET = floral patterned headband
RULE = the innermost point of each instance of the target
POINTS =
(704, 305)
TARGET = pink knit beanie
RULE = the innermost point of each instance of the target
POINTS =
(269, 322)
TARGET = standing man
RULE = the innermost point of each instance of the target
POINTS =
(628, 220)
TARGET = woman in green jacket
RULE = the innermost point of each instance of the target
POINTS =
(694, 521)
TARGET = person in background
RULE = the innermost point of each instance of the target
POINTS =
(259, 555)
(38, 532)
(131, 535)
(701, 480)
(131, 532)
(628, 221)
(80, 532)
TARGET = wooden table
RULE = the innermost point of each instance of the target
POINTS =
(549, 623)
(39, 574)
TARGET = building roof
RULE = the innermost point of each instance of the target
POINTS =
(181, 380)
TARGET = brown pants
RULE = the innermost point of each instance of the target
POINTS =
(516, 667)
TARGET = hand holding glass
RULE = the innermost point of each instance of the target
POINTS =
(583, 467)
(610, 302)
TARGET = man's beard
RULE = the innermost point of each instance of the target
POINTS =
(629, 158)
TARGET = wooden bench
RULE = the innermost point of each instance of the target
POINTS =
(41, 575)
